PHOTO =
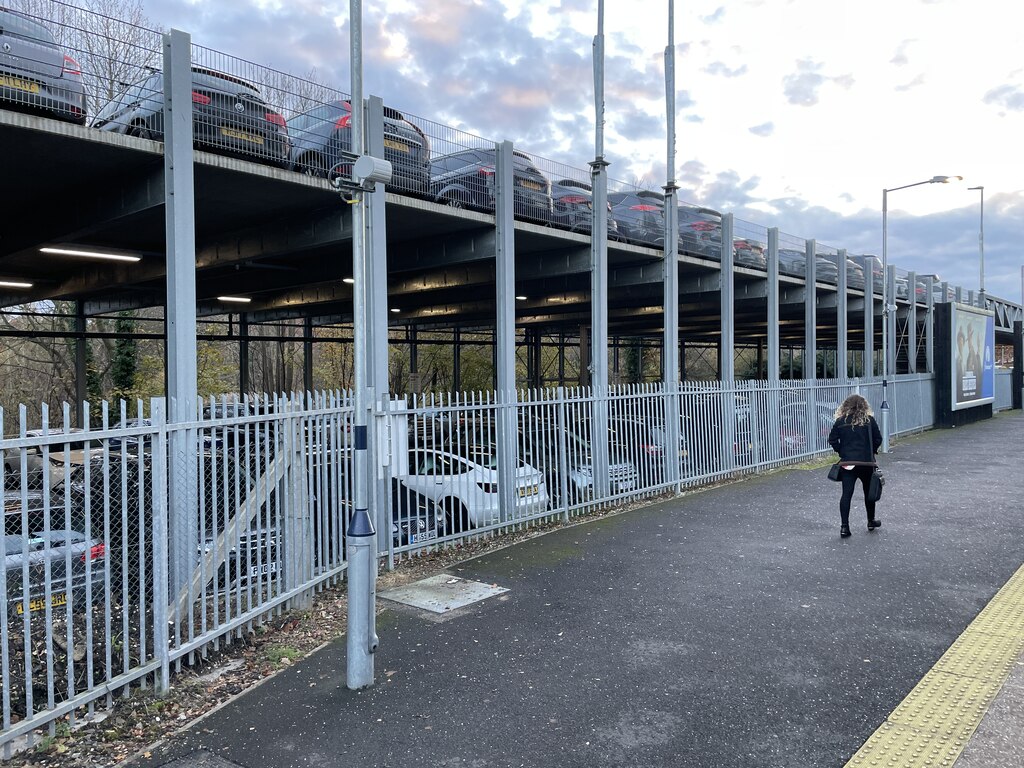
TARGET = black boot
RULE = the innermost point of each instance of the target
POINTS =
(874, 522)
(844, 531)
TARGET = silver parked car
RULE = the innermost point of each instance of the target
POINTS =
(35, 74)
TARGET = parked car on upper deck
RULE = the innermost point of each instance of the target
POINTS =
(573, 206)
(43, 554)
(466, 180)
(640, 215)
(35, 74)
(229, 116)
(321, 136)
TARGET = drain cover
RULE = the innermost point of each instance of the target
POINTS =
(442, 593)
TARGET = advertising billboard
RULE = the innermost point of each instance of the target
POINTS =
(973, 344)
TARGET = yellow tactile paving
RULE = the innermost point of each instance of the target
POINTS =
(933, 724)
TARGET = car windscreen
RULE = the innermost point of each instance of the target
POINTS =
(224, 83)
(19, 26)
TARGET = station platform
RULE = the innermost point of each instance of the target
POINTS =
(729, 626)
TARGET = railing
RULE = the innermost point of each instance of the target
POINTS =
(114, 567)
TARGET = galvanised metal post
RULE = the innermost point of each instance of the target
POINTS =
(727, 291)
(929, 324)
(868, 265)
(505, 329)
(670, 339)
(599, 274)
(810, 311)
(181, 354)
(243, 353)
(773, 343)
(361, 546)
(842, 317)
(563, 457)
(890, 320)
(161, 597)
(912, 323)
(81, 363)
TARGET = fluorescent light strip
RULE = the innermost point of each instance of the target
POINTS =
(14, 284)
(90, 254)
(236, 299)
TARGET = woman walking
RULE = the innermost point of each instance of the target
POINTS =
(856, 438)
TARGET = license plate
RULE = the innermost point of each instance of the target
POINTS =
(398, 146)
(534, 185)
(528, 490)
(39, 604)
(417, 538)
(17, 83)
(231, 133)
(263, 570)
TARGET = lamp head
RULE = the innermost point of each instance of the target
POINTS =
(945, 179)
(973, 189)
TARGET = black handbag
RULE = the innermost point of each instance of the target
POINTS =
(876, 484)
(834, 472)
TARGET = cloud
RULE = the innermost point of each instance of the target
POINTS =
(764, 129)
(719, 68)
(801, 87)
(1007, 96)
(900, 57)
(919, 80)
(715, 17)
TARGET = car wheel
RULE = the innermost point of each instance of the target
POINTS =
(313, 166)
(454, 201)
(456, 516)
(140, 131)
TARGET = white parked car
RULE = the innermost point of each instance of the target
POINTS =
(468, 491)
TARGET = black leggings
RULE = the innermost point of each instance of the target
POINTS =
(850, 477)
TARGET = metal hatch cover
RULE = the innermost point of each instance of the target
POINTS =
(442, 593)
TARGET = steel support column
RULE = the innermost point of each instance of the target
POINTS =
(243, 353)
(842, 318)
(774, 361)
(869, 317)
(181, 351)
(81, 364)
(889, 316)
(810, 310)
(912, 323)
(727, 293)
(929, 325)
(307, 354)
(505, 327)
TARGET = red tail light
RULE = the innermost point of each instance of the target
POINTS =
(644, 208)
(200, 98)
(651, 449)
(276, 119)
(71, 67)
(485, 171)
(576, 200)
(704, 226)
(100, 550)
(343, 122)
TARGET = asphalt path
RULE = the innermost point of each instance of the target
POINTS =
(728, 627)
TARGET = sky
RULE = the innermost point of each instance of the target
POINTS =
(790, 113)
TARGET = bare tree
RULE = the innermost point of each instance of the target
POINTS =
(291, 95)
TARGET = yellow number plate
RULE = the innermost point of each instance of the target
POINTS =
(529, 490)
(532, 185)
(396, 145)
(19, 84)
(39, 604)
(233, 134)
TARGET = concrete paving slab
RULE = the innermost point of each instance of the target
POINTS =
(442, 593)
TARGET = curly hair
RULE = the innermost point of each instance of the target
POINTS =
(855, 409)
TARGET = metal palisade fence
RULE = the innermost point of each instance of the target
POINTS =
(131, 544)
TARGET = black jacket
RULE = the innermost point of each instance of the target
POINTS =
(855, 443)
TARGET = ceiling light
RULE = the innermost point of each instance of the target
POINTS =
(520, 298)
(395, 309)
(14, 284)
(348, 280)
(90, 254)
(236, 299)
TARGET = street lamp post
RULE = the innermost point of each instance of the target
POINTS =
(981, 242)
(885, 298)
